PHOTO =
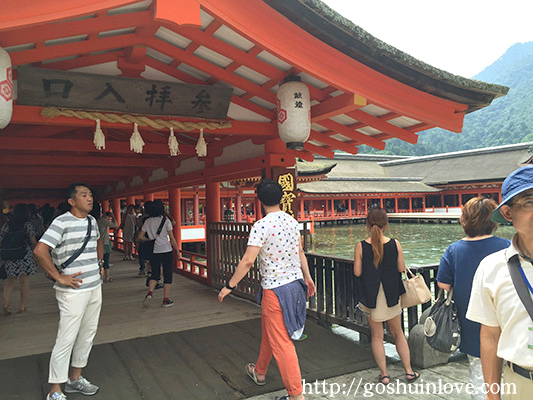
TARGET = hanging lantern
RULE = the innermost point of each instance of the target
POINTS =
(99, 138)
(136, 141)
(294, 112)
(6, 89)
(201, 146)
(173, 144)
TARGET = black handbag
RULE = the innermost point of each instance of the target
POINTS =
(442, 327)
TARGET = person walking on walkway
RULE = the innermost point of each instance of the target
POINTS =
(105, 222)
(159, 229)
(128, 231)
(285, 284)
(78, 290)
(379, 262)
(18, 260)
(506, 326)
(457, 268)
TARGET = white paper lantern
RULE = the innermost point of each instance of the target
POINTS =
(6, 89)
(294, 112)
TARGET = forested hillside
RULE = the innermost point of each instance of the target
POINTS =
(507, 120)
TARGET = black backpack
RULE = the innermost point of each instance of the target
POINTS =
(13, 245)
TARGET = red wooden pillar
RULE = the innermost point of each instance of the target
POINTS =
(395, 204)
(350, 206)
(332, 208)
(212, 200)
(238, 207)
(381, 202)
(302, 208)
(130, 200)
(442, 199)
(258, 213)
(148, 197)
(174, 208)
(410, 204)
(105, 206)
(196, 207)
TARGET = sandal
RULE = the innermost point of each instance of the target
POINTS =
(7, 309)
(109, 280)
(382, 379)
(22, 310)
(253, 375)
(412, 377)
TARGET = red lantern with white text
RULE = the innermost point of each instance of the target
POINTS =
(294, 112)
(6, 89)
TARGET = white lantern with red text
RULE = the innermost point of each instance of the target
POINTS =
(6, 89)
(294, 112)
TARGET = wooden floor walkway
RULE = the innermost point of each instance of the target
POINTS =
(194, 350)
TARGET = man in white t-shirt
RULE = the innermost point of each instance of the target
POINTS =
(78, 290)
(506, 327)
(285, 283)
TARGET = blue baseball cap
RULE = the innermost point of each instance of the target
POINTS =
(519, 181)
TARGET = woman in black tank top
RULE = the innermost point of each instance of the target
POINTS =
(378, 263)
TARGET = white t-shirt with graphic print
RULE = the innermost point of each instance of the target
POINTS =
(279, 238)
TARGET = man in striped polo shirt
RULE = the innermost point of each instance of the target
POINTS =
(78, 290)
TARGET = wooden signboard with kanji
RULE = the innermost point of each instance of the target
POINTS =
(64, 89)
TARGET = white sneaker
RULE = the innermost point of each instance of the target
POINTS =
(56, 396)
(82, 386)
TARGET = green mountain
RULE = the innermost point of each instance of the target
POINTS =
(507, 120)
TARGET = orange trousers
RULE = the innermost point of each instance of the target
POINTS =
(275, 341)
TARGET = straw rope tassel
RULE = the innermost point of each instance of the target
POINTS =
(99, 138)
(136, 141)
(201, 146)
(173, 144)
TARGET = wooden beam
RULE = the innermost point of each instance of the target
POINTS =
(383, 126)
(32, 115)
(211, 69)
(360, 137)
(336, 105)
(333, 143)
(74, 28)
(110, 162)
(72, 49)
(313, 149)
(18, 13)
(40, 144)
(70, 171)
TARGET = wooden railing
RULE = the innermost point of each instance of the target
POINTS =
(336, 296)
(335, 301)
(192, 265)
(227, 244)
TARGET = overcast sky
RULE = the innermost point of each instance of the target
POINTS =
(459, 36)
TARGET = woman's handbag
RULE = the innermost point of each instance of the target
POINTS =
(442, 327)
(416, 290)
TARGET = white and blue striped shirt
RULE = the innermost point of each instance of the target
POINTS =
(65, 236)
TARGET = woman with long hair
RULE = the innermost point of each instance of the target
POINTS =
(19, 265)
(379, 263)
(457, 268)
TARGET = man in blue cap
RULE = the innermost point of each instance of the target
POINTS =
(506, 328)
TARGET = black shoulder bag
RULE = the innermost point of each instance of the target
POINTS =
(73, 257)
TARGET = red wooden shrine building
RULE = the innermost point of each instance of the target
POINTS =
(361, 90)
